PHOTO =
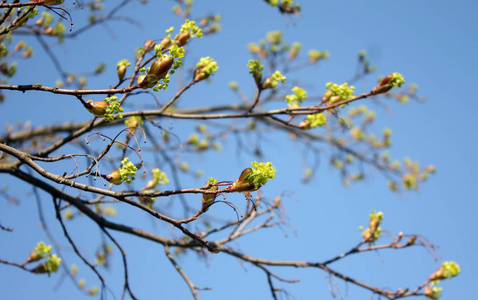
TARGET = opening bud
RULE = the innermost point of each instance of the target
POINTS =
(97, 108)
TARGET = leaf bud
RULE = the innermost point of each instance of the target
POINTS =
(114, 177)
(148, 45)
(161, 67)
(97, 108)
(182, 38)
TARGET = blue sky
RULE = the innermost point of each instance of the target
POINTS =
(432, 44)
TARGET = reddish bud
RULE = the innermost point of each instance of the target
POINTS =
(182, 38)
(148, 45)
(114, 177)
(161, 67)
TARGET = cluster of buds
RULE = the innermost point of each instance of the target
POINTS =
(272, 81)
(374, 230)
(188, 30)
(205, 68)
(159, 177)
(447, 270)
(255, 68)
(315, 55)
(251, 179)
(336, 93)
(390, 81)
(126, 173)
(51, 262)
(108, 108)
(158, 70)
(296, 100)
(313, 120)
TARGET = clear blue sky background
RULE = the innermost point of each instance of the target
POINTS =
(432, 43)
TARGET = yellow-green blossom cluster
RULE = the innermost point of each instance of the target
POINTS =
(205, 68)
(261, 173)
(127, 171)
(316, 120)
(295, 100)
(373, 232)
(335, 93)
(190, 26)
(113, 110)
(51, 262)
(273, 80)
(315, 55)
(160, 177)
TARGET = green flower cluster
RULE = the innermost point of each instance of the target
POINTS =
(205, 68)
(315, 55)
(373, 232)
(336, 93)
(397, 80)
(159, 177)
(317, 120)
(251, 179)
(272, 81)
(387, 83)
(51, 262)
(190, 26)
(261, 173)
(295, 100)
(127, 171)
(448, 269)
(113, 110)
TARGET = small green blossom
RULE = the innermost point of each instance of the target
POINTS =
(374, 230)
(205, 68)
(272, 81)
(295, 100)
(294, 50)
(123, 62)
(317, 120)
(127, 171)
(60, 31)
(93, 291)
(53, 263)
(315, 55)
(42, 250)
(447, 270)
(397, 80)
(261, 173)
(433, 293)
(233, 85)
(114, 109)
(176, 52)
(171, 29)
(254, 65)
(134, 121)
(159, 176)
(274, 37)
(190, 26)
(339, 92)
